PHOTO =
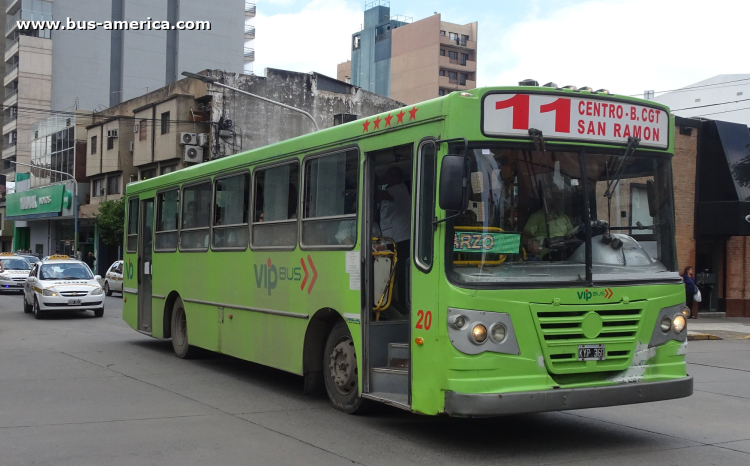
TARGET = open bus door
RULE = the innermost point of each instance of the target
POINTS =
(145, 266)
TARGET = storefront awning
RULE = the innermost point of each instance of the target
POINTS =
(723, 179)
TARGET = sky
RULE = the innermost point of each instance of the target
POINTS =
(626, 46)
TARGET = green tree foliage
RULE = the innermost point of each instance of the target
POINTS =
(111, 221)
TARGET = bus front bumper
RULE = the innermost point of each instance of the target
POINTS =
(500, 404)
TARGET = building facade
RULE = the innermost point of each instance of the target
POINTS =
(723, 97)
(411, 61)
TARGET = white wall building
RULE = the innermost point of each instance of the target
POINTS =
(724, 97)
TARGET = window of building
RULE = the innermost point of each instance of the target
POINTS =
(330, 200)
(442, 52)
(464, 39)
(196, 216)
(464, 58)
(98, 188)
(454, 38)
(275, 214)
(93, 145)
(110, 143)
(356, 42)
(168, 169)
(441, 92)
(148, 173)
(453, 55)
(442, 72)
(442, 33)
(231, 207)
(142, 128)
(132, 242)
(453, 77)
(113, 185)
(462, 79)
(165, 123)
(167, 212)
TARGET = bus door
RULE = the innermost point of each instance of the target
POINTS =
(145, 253)
(386, 241)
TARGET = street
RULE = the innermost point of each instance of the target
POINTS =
(78, 390)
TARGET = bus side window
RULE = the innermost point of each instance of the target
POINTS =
(167, 207)
(196, 216)
(331, 197)
(132, 232)
(231, 204)
(276, 203)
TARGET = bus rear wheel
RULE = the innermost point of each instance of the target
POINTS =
(340, 369)
(182, 348)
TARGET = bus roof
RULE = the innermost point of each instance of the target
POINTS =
(349, 133)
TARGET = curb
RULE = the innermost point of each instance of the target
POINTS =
(704, 336)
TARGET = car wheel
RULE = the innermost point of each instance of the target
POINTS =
(98, 312)
(107, 291)
(340, 369)
(180, 343)
(26, 306)
(37, 311)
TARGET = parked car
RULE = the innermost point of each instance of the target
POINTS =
(62, 284)
(113, 279)
(30, 257)
(13, 272)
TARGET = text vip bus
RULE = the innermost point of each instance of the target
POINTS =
(496, 251)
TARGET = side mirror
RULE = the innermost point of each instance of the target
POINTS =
(97, 277)
(454, 184)
(651, 195)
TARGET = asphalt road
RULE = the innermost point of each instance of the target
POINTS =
(77, 390)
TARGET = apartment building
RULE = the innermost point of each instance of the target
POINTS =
(411, 61)
(249, 51)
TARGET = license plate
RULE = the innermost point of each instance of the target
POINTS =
(74, 302)
(591, 353)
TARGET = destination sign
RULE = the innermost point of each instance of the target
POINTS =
(574, 118)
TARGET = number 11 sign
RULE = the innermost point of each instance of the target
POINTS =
(575, 118)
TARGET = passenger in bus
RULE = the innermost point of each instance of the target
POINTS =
(395, 214)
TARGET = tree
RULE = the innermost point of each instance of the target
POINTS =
(111, 221)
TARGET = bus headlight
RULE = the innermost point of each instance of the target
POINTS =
(458, 322)
(679, 323)
(479, 334)
(49, 292)
(686, 312)
(497, 333)
(97, 291)
(666, 324)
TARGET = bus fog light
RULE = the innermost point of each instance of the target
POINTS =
(666, 324)
(497, 333)
(679, 323)
(458, 322)
(686, 312)
(479, 334)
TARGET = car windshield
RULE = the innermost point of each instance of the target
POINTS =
(525, 221)
(31, 259)
(15, 264)
(72, 271)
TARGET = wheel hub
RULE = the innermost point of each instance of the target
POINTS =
(343, 367)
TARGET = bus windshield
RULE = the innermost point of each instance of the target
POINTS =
(526, 217)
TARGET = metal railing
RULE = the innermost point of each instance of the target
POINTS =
(8, 118)
(9, 44)
(8, 145)
(250, 8)
(250, 30)
(10, 95)
(249, 54)
(11, 69)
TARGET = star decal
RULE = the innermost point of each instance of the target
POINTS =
(388, 120)
(413, 113)
(366, 126)
(400, 117)
(377, 122)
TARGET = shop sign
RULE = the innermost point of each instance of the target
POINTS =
(45, 200)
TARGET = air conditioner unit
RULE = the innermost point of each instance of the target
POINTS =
(193, 154)
(188, 138)
(111, 133)
(130, 146)
(203, 139)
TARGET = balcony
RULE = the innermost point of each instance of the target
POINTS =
(13, 6)
(9, 170)
(10, 123)
(469, 44)
(456, 84)
(10, 98)
(249, 54)
(467, 66)
(9, 149)
(249, 9)
(9, 44)
(11, 74)
(249, 32)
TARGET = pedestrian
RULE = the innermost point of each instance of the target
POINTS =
(78, 254)
(89, 260)
(690, 289)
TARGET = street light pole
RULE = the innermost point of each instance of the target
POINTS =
(75, 198)
(210, 80)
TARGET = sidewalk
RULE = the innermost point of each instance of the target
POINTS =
(728, 328)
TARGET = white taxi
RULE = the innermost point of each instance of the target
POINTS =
(62, 284)
(13, 272)
(113, 279)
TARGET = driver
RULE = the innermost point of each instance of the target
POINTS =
(560, 225)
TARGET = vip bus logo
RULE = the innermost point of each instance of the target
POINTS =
(586, 295)
(268, 275)
(129, 270)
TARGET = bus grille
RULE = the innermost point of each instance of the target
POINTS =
(560, 331)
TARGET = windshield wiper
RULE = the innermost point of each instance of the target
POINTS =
(612, 184)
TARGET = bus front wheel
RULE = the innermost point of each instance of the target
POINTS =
(340, 369)
(182, 348)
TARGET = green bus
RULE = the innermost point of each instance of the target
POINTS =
(496, 251)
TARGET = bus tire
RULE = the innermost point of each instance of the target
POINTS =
(182, 348)
(340, 369)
